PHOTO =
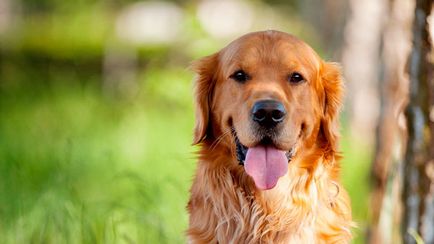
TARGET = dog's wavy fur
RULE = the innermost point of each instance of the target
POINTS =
(308, 205)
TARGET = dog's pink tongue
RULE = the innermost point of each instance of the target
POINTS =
(265, 164)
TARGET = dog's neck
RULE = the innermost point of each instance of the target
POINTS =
(289, 206)
(303, 199)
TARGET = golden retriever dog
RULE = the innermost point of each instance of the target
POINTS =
(267, 125)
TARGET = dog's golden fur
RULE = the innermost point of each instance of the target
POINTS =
(308, 204)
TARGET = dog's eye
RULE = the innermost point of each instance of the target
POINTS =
(240, 76)
(296, 78)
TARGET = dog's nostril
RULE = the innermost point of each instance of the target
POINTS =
(259, 115)
(277, 115)
(268, 113)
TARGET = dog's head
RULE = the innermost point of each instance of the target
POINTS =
(265, 96)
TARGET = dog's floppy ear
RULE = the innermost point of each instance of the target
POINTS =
(206, 70)
(333, 94)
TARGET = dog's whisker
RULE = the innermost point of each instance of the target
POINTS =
(219, 139)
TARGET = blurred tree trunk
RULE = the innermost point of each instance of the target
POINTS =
(402, 205)
(391, 131)
(328, 17)
(9, 15)
(418, 174)
(361, 62)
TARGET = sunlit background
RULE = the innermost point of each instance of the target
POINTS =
(96, 110)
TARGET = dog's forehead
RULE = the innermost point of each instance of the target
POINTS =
(269, 47)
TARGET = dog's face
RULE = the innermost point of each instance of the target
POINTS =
(264, 95)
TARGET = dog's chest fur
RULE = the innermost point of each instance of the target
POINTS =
(292, 212)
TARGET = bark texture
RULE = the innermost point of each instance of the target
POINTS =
(391, 130)
(418, 185)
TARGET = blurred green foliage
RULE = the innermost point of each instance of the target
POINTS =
(83, 163)
(77, 167)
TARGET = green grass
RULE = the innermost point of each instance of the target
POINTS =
(355, 177)
(77, 166)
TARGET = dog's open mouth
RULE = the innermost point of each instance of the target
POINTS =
(263, 162)
(242, 151)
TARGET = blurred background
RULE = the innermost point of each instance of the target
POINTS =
(96, 110)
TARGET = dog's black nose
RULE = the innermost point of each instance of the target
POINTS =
(268, 113)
